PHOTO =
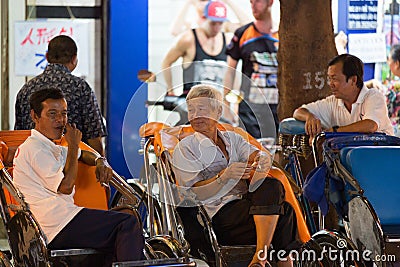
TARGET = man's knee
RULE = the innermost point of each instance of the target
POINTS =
(131, 223)
(273, 184)
(271, 190)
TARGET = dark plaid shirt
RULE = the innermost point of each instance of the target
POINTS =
(83, 109)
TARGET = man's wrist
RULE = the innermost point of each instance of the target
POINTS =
(99, 158)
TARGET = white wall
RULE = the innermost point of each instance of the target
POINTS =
(16, 12)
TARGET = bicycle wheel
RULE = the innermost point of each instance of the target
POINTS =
(336, 250)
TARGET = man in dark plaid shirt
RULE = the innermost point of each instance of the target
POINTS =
(83, 109)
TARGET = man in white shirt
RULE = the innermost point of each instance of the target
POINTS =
(352, 107)
(45, 173)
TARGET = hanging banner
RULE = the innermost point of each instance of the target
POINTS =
(32, 38)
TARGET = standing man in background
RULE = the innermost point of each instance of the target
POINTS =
(203, 50)
(254, 45)
(83, 108)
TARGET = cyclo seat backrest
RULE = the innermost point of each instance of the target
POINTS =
(88, 192)
(377, 175)
(369, 159)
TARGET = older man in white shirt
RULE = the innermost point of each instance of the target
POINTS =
(352, 107)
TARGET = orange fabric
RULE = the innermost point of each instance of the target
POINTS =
(88, 192)
(304, 234)
(12, 139)
(3, 151)
(250, 33)
(9, 198)
(169, 137)
(148, 129)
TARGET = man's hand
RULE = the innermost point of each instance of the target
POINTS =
(73, 136)
(313, 125)
(262, 162)
(104, 171)
(237, 170)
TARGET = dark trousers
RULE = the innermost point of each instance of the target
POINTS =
(234, 223)
(114, 233)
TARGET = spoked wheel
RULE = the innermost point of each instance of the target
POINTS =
(165, 247)
(336, 250)
(141, 205)
(305, 256)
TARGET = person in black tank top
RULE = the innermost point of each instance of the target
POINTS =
(203, 51)
(205, 67)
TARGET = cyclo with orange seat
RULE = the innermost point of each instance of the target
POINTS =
(194, 222)
(26, 239)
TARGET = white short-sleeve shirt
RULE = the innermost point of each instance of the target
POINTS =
(370, 104)
(197, 158)
(38, 172)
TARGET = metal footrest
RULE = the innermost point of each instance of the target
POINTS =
(72, 252)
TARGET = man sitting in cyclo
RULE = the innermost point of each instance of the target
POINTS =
(45, 173)
(352, 107)
(215, 166)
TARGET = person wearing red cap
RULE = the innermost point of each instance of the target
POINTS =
(255, 45)
(181, 22)
(203, 50)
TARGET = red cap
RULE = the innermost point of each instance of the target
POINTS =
(215, 11)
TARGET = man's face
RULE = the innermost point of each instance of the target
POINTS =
(202, 116)
(341, 88)
(394, 66)
(213, 27)
(53, 118)
(260, 8)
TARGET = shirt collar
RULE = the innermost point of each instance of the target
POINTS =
(46, 141)
(203, 140)
(57, 66)
(362, 94)
(360, 98)
(207, 142)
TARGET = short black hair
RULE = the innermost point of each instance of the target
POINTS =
(395, 52)
(61, 49)
(38, 97)
(352, 66)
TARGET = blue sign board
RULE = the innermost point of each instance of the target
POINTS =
(362, 15)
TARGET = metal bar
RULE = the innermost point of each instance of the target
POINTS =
(160, 177)
(149, 185)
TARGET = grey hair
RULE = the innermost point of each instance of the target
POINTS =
(208, 91)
